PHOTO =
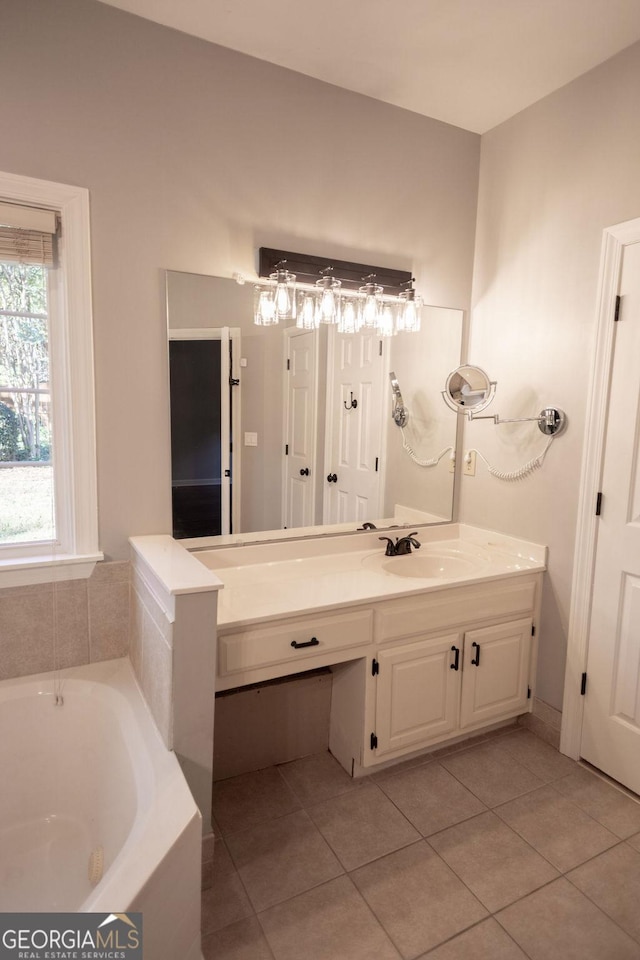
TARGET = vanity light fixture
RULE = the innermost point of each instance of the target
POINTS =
(357, 300)
(264, 307)
(348, 322)
(306, 319)
(370, 303)
(278, 301)
(409, 310)
(328, 297)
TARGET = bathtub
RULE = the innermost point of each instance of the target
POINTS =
(95, 814)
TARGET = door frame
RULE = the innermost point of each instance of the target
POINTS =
(614, 241)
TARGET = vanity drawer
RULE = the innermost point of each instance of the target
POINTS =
(266, 646)
(448, 608)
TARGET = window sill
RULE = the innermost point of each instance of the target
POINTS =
(48, 568)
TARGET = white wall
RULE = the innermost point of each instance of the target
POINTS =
(422, 363)
(552, 178)
(194, 157)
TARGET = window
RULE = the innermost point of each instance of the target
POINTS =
(26, 472)
(48, 501)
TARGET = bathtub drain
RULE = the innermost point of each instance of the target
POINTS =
(96, 865)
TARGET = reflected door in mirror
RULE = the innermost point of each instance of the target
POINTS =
(300, 430)
(355, 427)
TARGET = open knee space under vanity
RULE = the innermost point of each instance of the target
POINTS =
(416, 660)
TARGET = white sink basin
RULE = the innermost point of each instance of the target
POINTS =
(433, 562)
(432, 566)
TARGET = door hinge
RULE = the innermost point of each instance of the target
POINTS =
(227, 473)
(533, 630)
(380, 348)
(528, 693)
(583, 685)
(374, 741)
(599, 504)
(616, 313)
(377, 461)
(375, 668)
(288, 364)
(286, 449)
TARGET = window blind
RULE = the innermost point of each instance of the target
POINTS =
(27, 234)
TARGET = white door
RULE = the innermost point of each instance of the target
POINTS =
(300, 429)
(354, 438)
(495, 673)
(417, 693)
(611, 723)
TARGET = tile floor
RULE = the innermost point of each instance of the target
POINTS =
(498, 849)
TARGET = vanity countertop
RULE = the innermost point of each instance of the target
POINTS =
(270, 581)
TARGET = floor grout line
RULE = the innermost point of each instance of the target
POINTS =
(424, 838)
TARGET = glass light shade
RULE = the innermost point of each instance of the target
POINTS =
(348, 322)
(386, 321)
(409, 312)
(306, 319)
(328, 300)
(264, 308)
(284, 294)
(370, 305)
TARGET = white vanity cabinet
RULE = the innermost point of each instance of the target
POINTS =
(418, 693)
(473, 670)
(495, 672)
(291, 645)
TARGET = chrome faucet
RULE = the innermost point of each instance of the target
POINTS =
(402, 546)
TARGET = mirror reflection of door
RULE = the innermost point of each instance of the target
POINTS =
(300, 428)
(355, 428)
(204, 419)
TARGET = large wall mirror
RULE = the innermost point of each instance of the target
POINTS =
(276, 428)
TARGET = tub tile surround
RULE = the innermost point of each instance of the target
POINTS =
(65, 624)
(474, 885)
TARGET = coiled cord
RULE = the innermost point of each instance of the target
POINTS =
(521, 472)
(416, 459)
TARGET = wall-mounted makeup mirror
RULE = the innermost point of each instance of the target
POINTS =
(278, 427)
(469, 390)
(468, 387)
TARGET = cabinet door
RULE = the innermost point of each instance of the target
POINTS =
(417, 697)
(495, 672)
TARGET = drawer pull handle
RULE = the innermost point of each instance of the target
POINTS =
(456, 661)
(314, 642)
(476, 660)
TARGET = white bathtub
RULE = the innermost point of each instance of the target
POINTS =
(93, 774)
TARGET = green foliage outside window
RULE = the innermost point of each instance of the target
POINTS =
(25, 427)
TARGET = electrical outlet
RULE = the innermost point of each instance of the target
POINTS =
(469, 464)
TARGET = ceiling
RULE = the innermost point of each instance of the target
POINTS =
(471, 63)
